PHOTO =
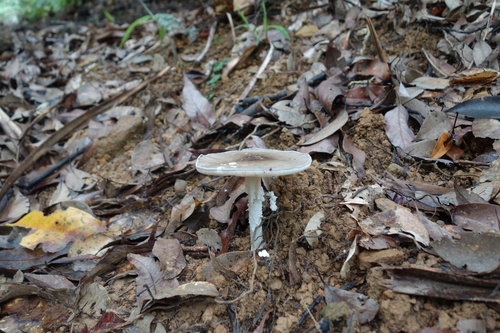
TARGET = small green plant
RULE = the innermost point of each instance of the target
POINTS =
(110, 17)
(165, 23)
(215, 77)
(255, 31)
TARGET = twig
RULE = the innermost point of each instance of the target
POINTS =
(272, 97)
(316, 301)
(230, 19)
(201, 55)
(380, 51)
(262, 67)
(30, 184)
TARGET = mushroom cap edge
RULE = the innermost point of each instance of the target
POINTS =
(253, 162)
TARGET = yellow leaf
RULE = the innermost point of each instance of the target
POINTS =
(58, 229)
(442, 146)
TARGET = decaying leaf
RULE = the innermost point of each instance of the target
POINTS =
(396, 221)
(312, 230)
(358, 156)
(474, 252)
(477, 217)
(435, 123)
(58, 229)
(478, 77)
(431, 83)
(365, 308)
(150, 277)
(396, 127)
(197, 107)
(443, 145)
(200, 288)
(169, 253)
(330, 129)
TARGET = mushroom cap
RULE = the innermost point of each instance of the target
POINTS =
(253, 162)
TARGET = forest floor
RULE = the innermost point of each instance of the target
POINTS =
(384, 248)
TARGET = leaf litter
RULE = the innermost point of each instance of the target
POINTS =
(402, 195)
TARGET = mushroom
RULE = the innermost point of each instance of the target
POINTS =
(254, 164)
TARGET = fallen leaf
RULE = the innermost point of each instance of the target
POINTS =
(443, 145)
(396, 127)
(365, 308)
(312, 230)
(358, 156)
(480, 107)
(481, 51)
(477, 217)
(398, 221)
(326, 146)
(473, 251)
(330, 129)
(431, 83)
(486, 128)
(435, 123)
(481, 78)
(197, 107)
(58, 229)
(150, 278)
(169, 253)
(330, 95)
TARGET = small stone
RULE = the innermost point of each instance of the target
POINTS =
(389, 294)
(307, 31)
(389, 257)
(306, 277)
(276, 284)
(395, 169)
(125, 129)
(220, 329)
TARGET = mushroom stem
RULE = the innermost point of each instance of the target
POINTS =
(255, 199)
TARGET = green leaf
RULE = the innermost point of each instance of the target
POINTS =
(214, 79)
(110, 17)
(161, 33)
(132, 26)
(167, 21)
(243, 17)
(281, 29)
(219, 65)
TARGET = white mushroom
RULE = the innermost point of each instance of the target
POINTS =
(254, 164)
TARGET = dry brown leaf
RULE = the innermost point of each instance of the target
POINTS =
(197, 107)
(396, 127)
(443, 145)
